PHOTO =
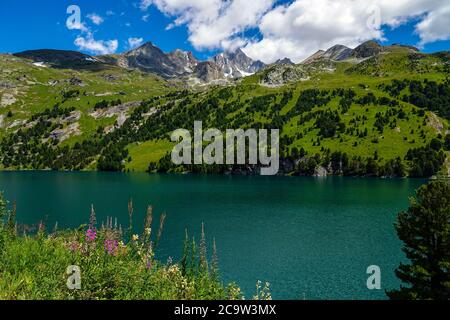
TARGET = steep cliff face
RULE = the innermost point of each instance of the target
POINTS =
(208, 71)
(237, 64)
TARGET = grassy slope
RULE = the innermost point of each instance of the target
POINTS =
(35, 93)
(392, 142)
(136, 86)
(147, 152)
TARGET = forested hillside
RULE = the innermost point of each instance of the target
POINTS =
(384, 116)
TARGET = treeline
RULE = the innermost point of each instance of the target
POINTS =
(32, 147)
(428, 95)
(106, 104)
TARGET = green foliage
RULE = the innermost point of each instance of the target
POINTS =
(426, 161)
(447, 142)
(34, 267)
(429, 95)
(425, 231)
(357, 113)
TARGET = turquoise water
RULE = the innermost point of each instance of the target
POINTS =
(310, 238)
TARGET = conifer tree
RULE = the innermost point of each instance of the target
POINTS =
(425, 230)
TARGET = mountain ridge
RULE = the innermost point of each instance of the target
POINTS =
(335, 117)
(221, 68)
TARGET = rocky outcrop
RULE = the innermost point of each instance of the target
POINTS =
(338, 53)
(279, 75)
(284, 62)
(316, 56)
(366, 50)
(237, 64)
(208, 71)
(184, 60)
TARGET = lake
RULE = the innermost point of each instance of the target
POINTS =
(311, 238)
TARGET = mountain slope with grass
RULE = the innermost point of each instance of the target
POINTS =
(371, 111)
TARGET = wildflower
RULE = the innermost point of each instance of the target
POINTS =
(135, 237)
(91, 234)
(149, 264)
(148, 231)
(74, 246)
(111, 247)
(92, 219)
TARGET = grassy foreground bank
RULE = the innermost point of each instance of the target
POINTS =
(113, 264)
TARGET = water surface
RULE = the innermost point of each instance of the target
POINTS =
(310, 238)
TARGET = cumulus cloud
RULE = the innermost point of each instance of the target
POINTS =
(300, 28)
(134, 42)
(213, 23)
(435, 26)
(88, 43)
(95, 18)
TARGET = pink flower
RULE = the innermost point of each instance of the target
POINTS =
(111, 247)
(91, 234)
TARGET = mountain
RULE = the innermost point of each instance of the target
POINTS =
(338, 53)
(208, 71)
(342, 53)
(285, 61)
(60, 58)
(178, 63)
(185, 61)
(367, 49)
(316, 56)
(382, 111)
(150, 58)
(237, 64)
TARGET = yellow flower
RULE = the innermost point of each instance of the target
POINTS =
(135, 237)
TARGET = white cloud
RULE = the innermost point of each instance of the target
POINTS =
(88, 43)
(213, 23)
(145, 17)
(303, 27)
(134, 42)
(95, 18)
(435, 26)
(300, 28)
(110, 13)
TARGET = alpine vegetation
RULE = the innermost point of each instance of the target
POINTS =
(236, 151)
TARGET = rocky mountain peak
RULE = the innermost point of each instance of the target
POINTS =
(316, 56)
(285, 61)
(367, 49)
(236, 64)
(338, 53)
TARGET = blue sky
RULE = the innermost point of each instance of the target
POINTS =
(42, 24)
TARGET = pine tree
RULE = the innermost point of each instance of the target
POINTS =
(425, 230)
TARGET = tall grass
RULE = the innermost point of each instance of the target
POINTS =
(113, 265)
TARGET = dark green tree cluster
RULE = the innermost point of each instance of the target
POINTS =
(426, 94)
(425, 231)
(426, 161)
